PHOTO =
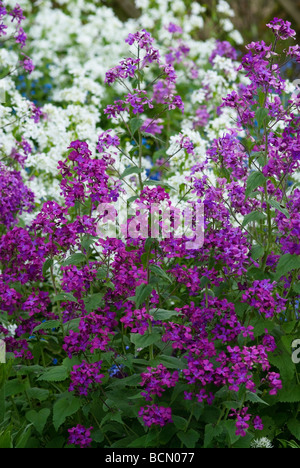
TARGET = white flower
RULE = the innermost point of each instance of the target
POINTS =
(227, 24)
(236, 37)
(224, 7)
(263, 442)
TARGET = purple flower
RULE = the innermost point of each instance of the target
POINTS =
(157, 415)
(258, 424)
(79, 435)
(85, 378)
(174, 28)
(281, 28)
(27, 64)
(21, 38)
(17, 14)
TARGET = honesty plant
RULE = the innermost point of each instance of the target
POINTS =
(143, 341)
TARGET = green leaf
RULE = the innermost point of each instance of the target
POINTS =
(63, 408)
(211, 431)
(254, 398)
(54, 374)
(132, 199)
(158, 183)
(142, 292)
(5, 440)
(231, 430)
(163, 314)
(256, 179)
(72, 325)
(257, 251)
(261, 115)
(190, 438)
(143, 341)
(252, 217)
(144, 441)
(75, 259)
(296, 288)
(171, 362)
(13, 387)
(180, 422)
(24, 436)
(286, 264)
(289, 394)
(64, 297)
(40, 394)
(284, 363)
(275, 204)
(48, 263)
(135, 124)
(93, 302)
(38, 419)
(157, 270)
(294, 427)
(47, 325)
(132, 170)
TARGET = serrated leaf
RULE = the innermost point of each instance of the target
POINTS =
(132, 170)
(189, 438)
(163, 314)
(142, 292)
(275, 204)
(135, 124)
(75, 259)
(14, 387)
(289, 394)
(260, 116)
(64, 297)
(63, 408)
(286, 264)
(211, 431)
(143, 341)
(93, 302)
(72, 325)
(36, 393)
(252, 217)
(54, 374)
(254, 398)
(284, 363)
(231, 429)
(256, 179)
(294, 427)
(171, 362)
(48, 263)
(257, 251)
(158, 183)
(157, 270)
(47, 325)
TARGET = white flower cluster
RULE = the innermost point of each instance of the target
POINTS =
(263, 442)
(72, 47)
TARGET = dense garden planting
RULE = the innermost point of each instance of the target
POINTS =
(150, 223)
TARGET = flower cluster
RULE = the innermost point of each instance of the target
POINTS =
(79, 435)
(85, 378)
